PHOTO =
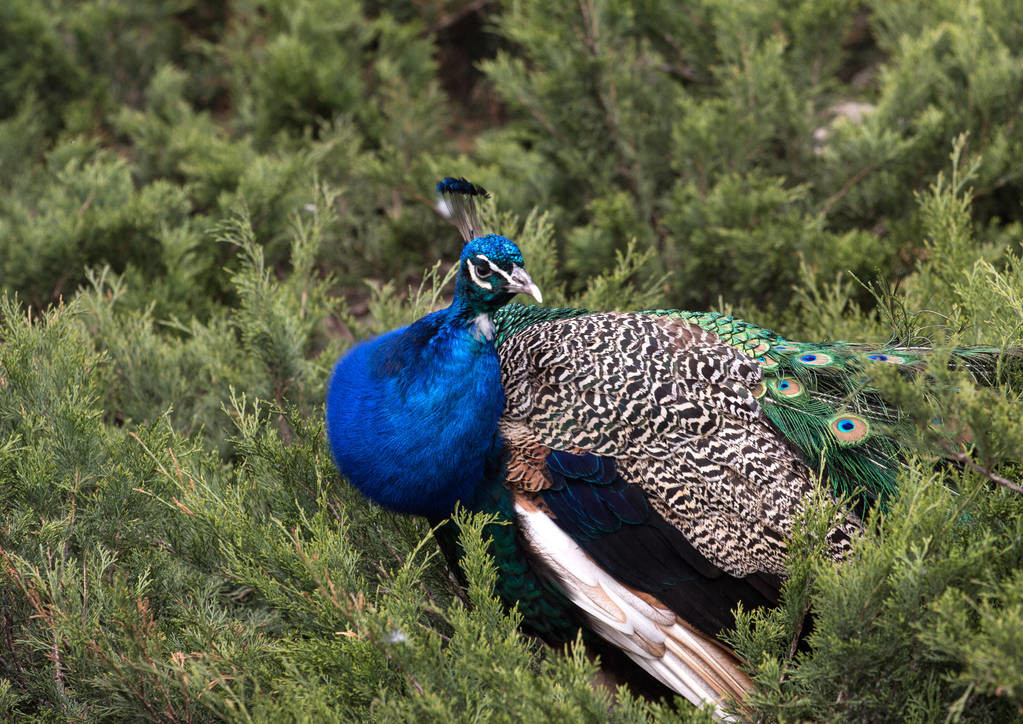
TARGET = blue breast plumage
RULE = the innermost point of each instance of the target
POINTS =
(393, 402)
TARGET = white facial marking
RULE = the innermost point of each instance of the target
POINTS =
(475, 277)
(483, 328)
(495, 268)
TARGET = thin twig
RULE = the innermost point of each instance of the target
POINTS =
(962, 457)
(71, 522)
(280, 389)
(607, 98)
(847, 187)
(679, 68)
(678, 71)
(543, 120)
(58, 667)
(799, 628)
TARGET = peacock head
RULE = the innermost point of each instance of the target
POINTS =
(491, 273)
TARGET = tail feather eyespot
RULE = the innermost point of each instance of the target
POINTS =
(767, 364)
(815, 358)
(848, 429)
(895, 359)
(787, 387)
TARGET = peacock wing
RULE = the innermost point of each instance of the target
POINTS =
(674, 407)
(649, 486)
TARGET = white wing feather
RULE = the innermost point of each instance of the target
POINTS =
(684, 660)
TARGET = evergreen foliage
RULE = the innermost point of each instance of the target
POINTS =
(204, 204)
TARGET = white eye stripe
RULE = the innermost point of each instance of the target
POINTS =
(495, 268)
(475, 276)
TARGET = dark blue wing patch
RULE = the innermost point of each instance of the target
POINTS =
(617, 526)
(587, 468)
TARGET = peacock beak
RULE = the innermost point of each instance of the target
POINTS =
(520, 283)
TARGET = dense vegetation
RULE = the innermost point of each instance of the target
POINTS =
(203, 204)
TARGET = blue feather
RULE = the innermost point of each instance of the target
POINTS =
(395, 401)
(591, 468)
(461, 185)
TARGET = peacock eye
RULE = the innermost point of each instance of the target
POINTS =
(483, 271)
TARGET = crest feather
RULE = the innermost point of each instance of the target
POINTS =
(458, 197)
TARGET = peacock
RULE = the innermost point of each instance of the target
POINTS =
(651, 465)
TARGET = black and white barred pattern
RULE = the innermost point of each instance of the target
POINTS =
(673, 405)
